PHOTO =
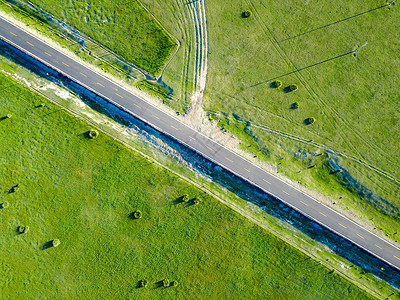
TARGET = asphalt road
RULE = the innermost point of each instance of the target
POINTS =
(213, 151)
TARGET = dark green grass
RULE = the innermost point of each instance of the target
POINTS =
(352, 98)
(81, 191)
(124, 27)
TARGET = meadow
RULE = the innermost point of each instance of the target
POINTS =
(351, 96)
(125, 28)
(64, 185)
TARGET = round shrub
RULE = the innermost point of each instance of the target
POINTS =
(277, 84)
(196, 201)
(309, 121)
(246, 14)
(294, 105)
(23, 229)
(137, 214)
(55, 243)
(185, 198)
(174, 283)
(165, 283)
(93, 134)
(8, 116)
(143, 283)
(5, 204)
(293, 87)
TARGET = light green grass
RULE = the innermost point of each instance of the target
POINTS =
(352, 98)
(126, 28)
(81, 191)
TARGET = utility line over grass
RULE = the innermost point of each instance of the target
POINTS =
(334, 23)
(310, 66)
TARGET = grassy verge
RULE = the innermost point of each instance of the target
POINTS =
(66, 186)
(125, 28)
(351, 97)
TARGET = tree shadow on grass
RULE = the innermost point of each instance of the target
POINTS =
(46, 245)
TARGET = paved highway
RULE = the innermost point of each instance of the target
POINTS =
(200, 143)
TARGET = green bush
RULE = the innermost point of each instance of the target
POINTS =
(309, 121)
(196, 201)
(165, 283)
(5, 204)
(55, 243)
(277, 83)
(143, 283)
(185, 198)
(23, 229)
(93, 134)
(137, 214)
(174, 283)
(8, 116)
(293, 87)
(246, 14)
(294, 105)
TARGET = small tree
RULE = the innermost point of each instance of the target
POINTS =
(143, 283)
(5, 204)
(294, 105)
(309, 121)
(246, 14)
(93, 134)
(185, 198)
(23, 229)
(196, 201)
(55, 243)
(137, 214)
(174, 283)
(8, 116)
(165, 283)
(293, 87)
(277, 83)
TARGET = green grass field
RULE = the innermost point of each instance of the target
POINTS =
(352, 97)
(81, 191)
(126, 28)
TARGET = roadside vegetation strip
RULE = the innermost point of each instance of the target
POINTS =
(95, 185)
(354, 112)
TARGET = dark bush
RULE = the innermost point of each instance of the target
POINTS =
(294, 105)
(143, 283)
(246, 14)
(293, 87)
(137, 214)
(309, 121)
(5, 204)
(55, 243)
(277, 84)
(165, 283)
(93, 134)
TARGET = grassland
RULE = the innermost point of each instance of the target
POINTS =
(352, 97)
(81, 191)
(125, 28)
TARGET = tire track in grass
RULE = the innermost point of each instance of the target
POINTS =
(316, 96)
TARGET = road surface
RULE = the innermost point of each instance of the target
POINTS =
(213, 151)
